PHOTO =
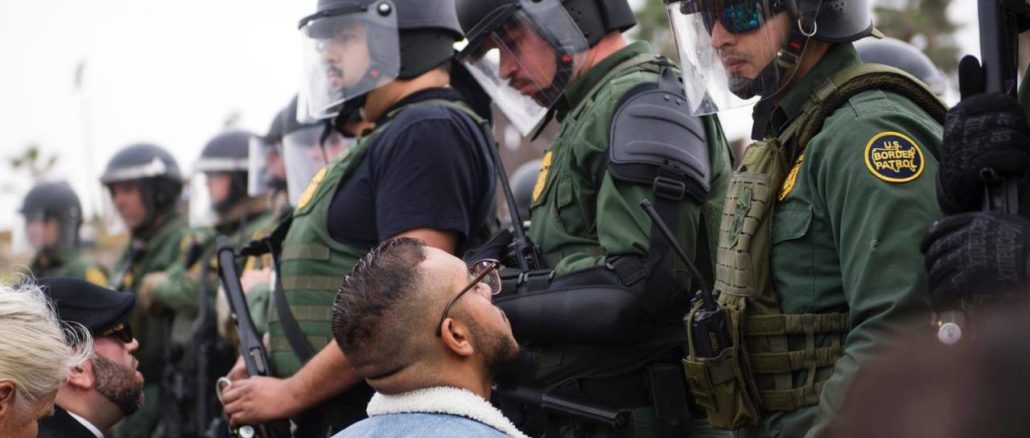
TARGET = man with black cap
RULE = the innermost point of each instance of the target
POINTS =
(106, 388)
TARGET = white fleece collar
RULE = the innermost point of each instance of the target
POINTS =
(443, 400)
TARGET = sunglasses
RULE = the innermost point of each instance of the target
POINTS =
(482, 271)
(121, 332)
(736, 16)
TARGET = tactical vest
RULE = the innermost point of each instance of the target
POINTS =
(755, 375)
(313, 264)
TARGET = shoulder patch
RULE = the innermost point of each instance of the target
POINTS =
(792, 178)
(96, 276)
(310, 190)
(894, 157)
(541, 177)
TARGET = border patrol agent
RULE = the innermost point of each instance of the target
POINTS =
(174, 293)
(237, 215)
(56, 201)
(819, 266)
(151, 172)
(422, 172)
(605, 310)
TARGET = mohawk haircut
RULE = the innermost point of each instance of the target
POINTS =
(375, 307)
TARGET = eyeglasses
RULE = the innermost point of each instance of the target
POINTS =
(482, 271)
(737, 16)
(121, 332)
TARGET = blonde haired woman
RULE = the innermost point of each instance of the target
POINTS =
(36, 354)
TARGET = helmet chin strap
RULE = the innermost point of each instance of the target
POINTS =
(776, 75)
(562, 77)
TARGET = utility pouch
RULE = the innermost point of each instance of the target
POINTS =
(717, 366)
(718, 373)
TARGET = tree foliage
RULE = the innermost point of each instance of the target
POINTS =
(33, 162)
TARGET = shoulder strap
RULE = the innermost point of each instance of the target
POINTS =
(845, 84)
(291, 328)
(643, 61)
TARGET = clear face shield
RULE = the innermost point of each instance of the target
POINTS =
(525, 63)
(738, 52)
(35, 232)
(258, 178)
(200, 203)
(210, 186)
(304, 156)
(346, 52)
(265, 169)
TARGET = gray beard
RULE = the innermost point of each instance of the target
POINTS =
(118, 384)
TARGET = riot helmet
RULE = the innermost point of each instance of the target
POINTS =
(308, 147)
(157, 176)
(525, 52)
(219, 178)
(52, 215)
(903, 56)
(351, 47)
(724, 44)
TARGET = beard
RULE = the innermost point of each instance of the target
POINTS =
(518, 368)
(505, 358)
(118, 384)
(767, 84)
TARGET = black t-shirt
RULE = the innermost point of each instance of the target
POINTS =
(428, 169)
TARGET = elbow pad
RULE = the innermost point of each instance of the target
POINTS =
(586, 307)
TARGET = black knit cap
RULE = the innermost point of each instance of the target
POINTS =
(97, 308)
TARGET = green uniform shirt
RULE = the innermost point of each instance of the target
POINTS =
(179, 289)
(69, 263)
(846, 233)
(578, 222)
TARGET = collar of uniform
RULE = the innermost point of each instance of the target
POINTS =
(444, 93)
(170, 220)
(54, 257)
(578, 88)
(839, 56)
(247, 209)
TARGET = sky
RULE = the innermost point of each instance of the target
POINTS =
(166, 72)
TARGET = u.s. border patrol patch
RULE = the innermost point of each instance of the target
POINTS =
(894, 157)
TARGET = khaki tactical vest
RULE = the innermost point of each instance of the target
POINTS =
(755, 375)
(313, 265)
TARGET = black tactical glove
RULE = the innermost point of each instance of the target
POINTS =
(987, 131)
(976, 254)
